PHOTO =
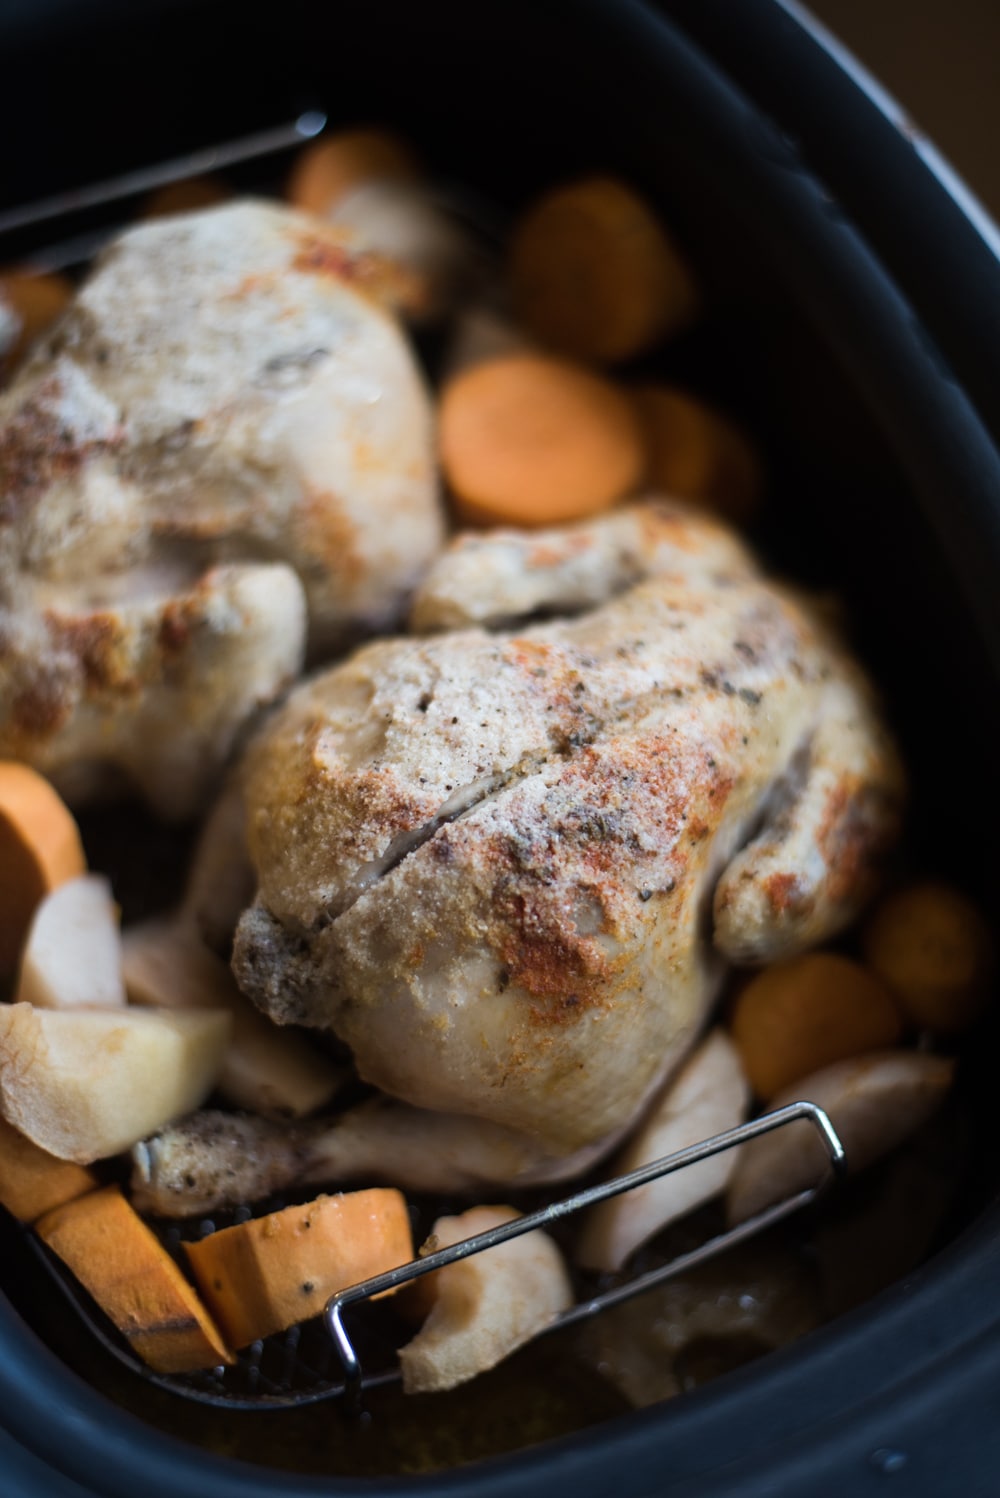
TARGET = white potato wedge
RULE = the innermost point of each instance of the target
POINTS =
(483, 1307)
(73, 955)
(88, 1083)
(709, 1094)
(873, 1101)
(266, 1070)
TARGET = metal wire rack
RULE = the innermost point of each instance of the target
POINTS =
(321, 1359)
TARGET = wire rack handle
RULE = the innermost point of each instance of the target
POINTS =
(392, 1279)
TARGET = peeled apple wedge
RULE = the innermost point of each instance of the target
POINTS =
(88, 1083)
(483, 1307)
(73, 955)
(709, 1095)
(873, 1102)
(268, 1071)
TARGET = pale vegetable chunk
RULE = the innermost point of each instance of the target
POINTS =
(486, 1306)
(73, 955)
(709, 1095)
(268, 1071)
(401, 222)
(326, 171)
(88, 1083)
(873, 1102)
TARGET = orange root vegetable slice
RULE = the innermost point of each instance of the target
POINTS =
(86, 1084)
(874, 1102)
(482, 1308)
(272, 1072)
(28, 305)
(693, 453)
(33, 1182)
(931, 947)
(326, 171)
(798, 1016)
(134, 1280)
(73, 954)
(595, 275)
(531, 440)
(40, 849)
(709, 1095)
(272, 1272)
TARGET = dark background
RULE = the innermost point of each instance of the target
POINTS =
(941, 60)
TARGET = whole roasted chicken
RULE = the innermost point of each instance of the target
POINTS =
(222, 452)
(507, 863)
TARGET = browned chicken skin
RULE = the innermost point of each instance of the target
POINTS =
(507, 868)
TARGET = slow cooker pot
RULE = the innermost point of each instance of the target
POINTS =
(852, 324)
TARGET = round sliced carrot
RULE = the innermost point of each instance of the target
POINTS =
(28, 304)
(933, 949)
(185, 197)
(595, 275)
(531, 440)
(329, 169)
(696, 454)
(799, 1016)
(40, 848)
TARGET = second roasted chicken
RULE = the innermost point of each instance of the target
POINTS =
(220, 454)
(507, 863)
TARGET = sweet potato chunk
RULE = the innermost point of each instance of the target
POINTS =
(33, 1181)
(134, 1281)
(267, 1274)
